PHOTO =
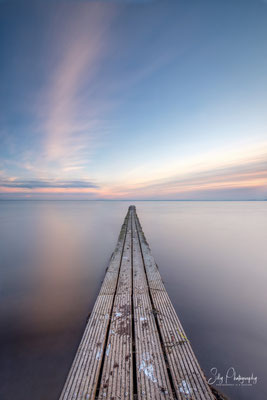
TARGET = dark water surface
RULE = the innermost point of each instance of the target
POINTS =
(53, 255)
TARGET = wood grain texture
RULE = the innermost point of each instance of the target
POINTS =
(116, 380)
(134, 346)
(152, 376)
(83, 377)
(187, 376)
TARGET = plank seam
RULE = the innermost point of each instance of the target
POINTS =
(108, 329)
(135, 388)
(188, 359)
(157, 323)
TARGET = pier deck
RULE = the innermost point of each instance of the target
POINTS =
(134, 346)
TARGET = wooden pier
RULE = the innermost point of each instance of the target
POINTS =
(134, 346)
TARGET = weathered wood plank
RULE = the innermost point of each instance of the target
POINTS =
(117, 376)
(82, 380)
(134, 346)
(187, 376)
(151, 371)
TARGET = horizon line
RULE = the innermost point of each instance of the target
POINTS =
(173, 200)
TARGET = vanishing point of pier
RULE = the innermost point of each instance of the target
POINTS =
(134, 346)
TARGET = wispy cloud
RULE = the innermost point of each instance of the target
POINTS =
(207, 178)
(34, 184)
(72, 109)
(71, 117)
(102, 81)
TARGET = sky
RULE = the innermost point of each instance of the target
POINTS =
(161, 100)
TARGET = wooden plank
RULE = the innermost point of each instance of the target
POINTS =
(151, 371)
(117, 376)
(83, 377)
(186, 374)
(134, 346)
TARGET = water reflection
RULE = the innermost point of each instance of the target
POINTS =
(53, 257)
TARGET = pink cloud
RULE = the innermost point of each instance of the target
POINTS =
(71, 122)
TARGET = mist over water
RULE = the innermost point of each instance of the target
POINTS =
(212, 257)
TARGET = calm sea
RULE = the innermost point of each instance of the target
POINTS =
(212, 257)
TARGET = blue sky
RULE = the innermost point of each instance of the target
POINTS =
(133, 100)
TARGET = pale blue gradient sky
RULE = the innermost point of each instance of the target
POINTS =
(159, 99)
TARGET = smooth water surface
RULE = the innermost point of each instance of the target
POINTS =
(212, 257)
